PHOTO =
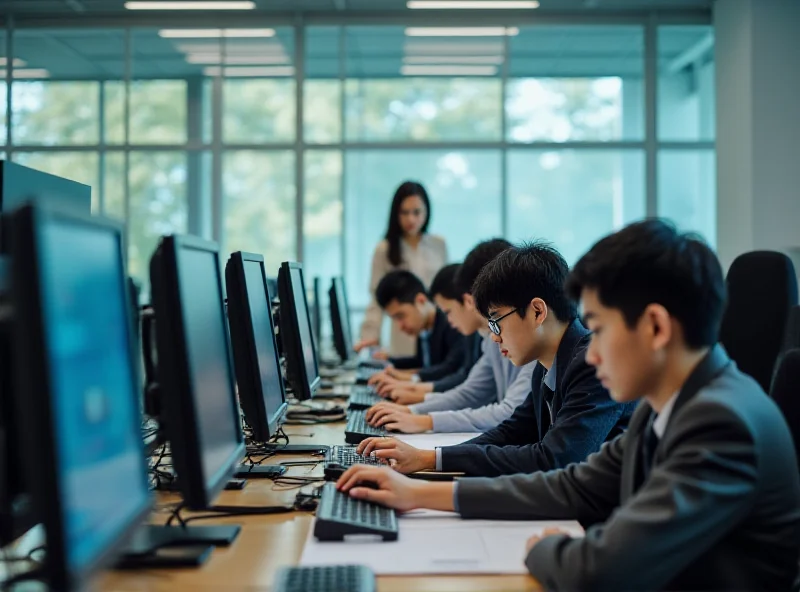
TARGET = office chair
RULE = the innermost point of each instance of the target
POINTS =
(786, 393)
(762, 288)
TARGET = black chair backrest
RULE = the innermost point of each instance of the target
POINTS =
(762, 288)
(786, 392)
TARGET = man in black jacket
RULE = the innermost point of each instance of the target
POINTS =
(568, 414)
(440, 347)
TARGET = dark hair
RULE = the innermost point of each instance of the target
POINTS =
(395, 232)
(520, 274)
(444, 284)
(651, 262)
(399, 285)
(476, 260)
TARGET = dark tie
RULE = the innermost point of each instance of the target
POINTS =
(548, 395)
(425, 349)
(649, 443)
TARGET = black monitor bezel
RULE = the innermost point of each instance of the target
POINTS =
(296, 372)
(252, 398)
(342, 335)
(34, 378)
(174, 375)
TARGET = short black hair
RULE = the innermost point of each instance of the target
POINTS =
(520, 274)
(399, 285)
(444, 284)
(476, 260)
(651, 262)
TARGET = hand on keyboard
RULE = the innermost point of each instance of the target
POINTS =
(407, 394)
(406, 458)
(390, 488)
(384, 407)
(405, 423)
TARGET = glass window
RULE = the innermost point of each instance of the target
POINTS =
(76, 166)
(114, 185)
(464, 187)
(322, 104)
(686, 95)
(573, 197)
(573, 83)
(258, 110)
(157, 205)
(260, 200)
(687, 190)
(55, 113)
(158, 112)
(114, 112)
(423, 109)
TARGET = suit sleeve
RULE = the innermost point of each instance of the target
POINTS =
(587, 491)
(704, 487)
(477, 390)
(406, 363)
(580, 427)
(450, 381)
(456, 348)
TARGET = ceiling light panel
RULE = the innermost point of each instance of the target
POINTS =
(200, 5)
(473, 4)
(461, 31)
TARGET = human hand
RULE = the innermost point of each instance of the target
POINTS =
(383, 407)
(407, 423)
(392, 489)
(361, 344)
(534, 540)
(405, 458)
(407, 394)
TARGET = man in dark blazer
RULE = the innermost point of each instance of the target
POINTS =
(567, 415)
(701, 493)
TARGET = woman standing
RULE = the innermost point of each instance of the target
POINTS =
(407, 245)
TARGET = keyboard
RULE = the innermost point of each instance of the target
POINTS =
(339, 515)
(341, 458)
(331, 578)
(363, 397)
(358, 429)
(364, 373)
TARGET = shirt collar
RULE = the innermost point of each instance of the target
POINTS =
(550, 378)
(661, 420)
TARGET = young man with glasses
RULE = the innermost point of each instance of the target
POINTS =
(568, 413)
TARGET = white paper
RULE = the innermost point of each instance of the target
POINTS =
(438, 545)
(431, 441)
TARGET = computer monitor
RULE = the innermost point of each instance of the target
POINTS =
(315, 308)
(340, 320)
(302, 366)
(194, 370)
(75, 389)
(20, 185)
(255, 357)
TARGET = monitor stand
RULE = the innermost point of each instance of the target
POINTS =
(246, 471)
(175, 546)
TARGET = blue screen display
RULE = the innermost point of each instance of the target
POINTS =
(304, 322)
(209, 362)
(95, 405)
(261, 317)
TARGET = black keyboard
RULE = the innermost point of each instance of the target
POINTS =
(331, 578)
(358, 429)
(338, 515)
(341, 458)
(363, 397)
(364, 373)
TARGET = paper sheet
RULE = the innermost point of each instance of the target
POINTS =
(429, 544)
(431, 441)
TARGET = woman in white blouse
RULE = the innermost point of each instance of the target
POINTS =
(407, 245)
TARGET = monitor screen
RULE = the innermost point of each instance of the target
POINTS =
(261, 317)
(343, 317)
(209, 364)
(94, 403)
(304, 322)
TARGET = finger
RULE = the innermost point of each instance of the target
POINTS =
(382, 444)
(372, 495)
(378, 416)
(354, 475)
(364, 446)
(388, 453)
(395, 427)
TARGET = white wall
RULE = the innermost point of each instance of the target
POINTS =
(758, 125)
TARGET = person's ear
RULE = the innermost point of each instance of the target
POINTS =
(657, 324)
(421, 300)
(538, 309)
(469, 302)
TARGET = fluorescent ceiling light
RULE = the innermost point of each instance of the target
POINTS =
(473, 4)
(249, 72)
(201, 5)
(461, 31)
(209, 58)
(443, 59)
(26, 73)
(448, 70)
(17, 62)
(215, 47)
(414, 46)
(214, 33)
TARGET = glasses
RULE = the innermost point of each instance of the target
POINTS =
(494, 324)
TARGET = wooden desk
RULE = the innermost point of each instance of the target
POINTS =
(266, 543)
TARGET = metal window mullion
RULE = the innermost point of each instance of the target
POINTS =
(504, 198)
(299, 68)
(342, 160)
(9, 78)
(651, 116)
(126, 138)
(101, 154)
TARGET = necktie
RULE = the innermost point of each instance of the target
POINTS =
(649, 443)
(425, 349)
(548, 395)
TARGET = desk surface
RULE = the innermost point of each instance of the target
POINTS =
(267, 543)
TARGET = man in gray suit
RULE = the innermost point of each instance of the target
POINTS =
(702, 492)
